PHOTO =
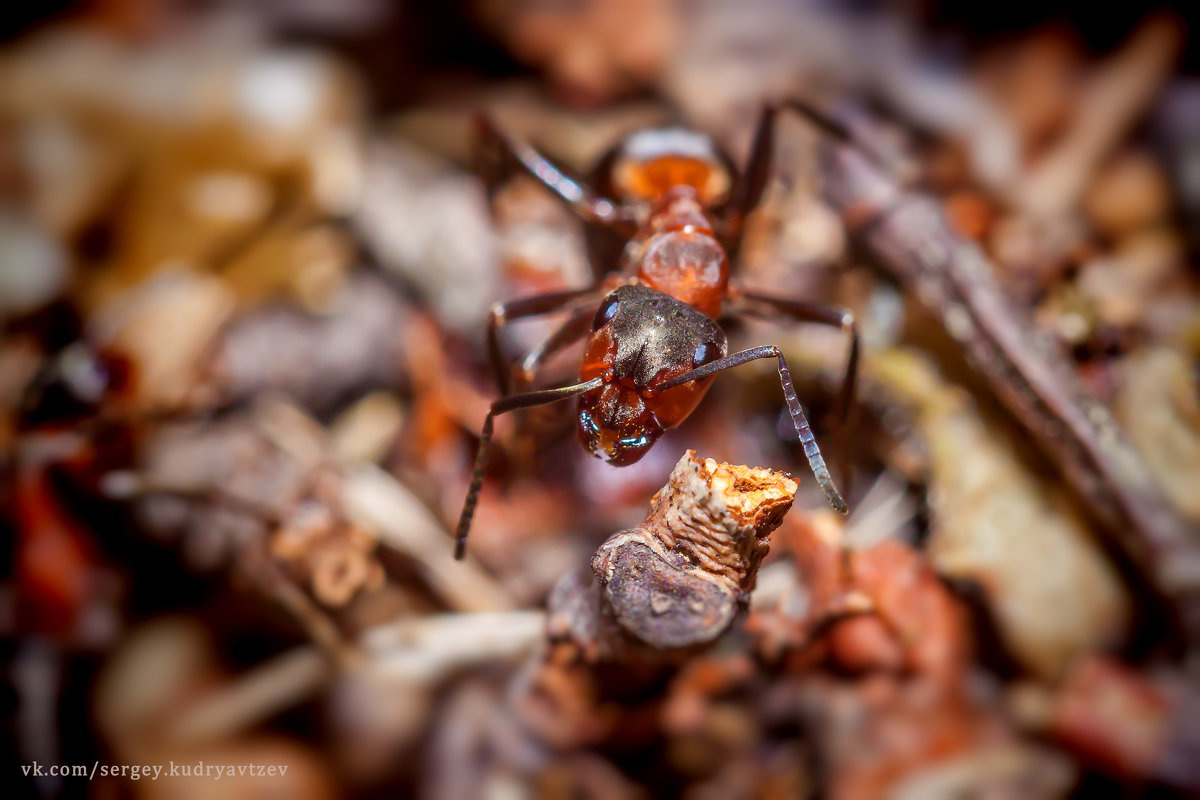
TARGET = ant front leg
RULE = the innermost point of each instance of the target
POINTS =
(842, 318)
(503, 406)
(504, 313)
(574, 328)
(799, 421)
(493, 144)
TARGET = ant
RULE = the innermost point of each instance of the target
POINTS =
(654, 343)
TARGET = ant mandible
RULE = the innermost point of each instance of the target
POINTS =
(679, 204)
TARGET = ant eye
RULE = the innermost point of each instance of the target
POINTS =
(606, 311)
(706, 353)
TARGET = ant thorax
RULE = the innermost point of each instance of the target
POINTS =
(677, 253)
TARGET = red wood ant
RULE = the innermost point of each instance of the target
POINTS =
(654, 343)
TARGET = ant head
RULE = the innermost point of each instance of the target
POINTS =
(648, 163)
(640, 339)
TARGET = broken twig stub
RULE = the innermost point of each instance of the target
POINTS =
(682, 577)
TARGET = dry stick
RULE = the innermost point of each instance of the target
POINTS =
(657, 595)
(368, 495)
(400, 520)
(682, 578)
(1112, 101)
(270, 579)
(255, 695)
(413, 651)
(265, 572)
(906, 235)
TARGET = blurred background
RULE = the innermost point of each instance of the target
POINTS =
(246, 264)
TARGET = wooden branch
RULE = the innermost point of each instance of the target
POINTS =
(417, 652)
(906, 235)
(682, 578)
(1113, 101)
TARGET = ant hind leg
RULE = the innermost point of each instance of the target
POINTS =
(494, 147)
(752, 182)
(748, 191)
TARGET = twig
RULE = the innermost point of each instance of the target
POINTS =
(254, 696)
(1114, 100)
(658, 594)
(682, 578)
(906, 235)
(269, 578)
(415, 652)
(373, 497)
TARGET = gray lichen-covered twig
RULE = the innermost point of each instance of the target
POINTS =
(681, 579)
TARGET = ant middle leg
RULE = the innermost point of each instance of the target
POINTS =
(577, 325)
(833, 316)
(812, 452)
(574, 328)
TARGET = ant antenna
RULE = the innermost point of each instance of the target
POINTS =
(502, 406)
(813, 453)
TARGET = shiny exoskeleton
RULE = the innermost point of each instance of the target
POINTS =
(663, 214)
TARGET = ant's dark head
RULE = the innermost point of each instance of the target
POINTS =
(642, 338)
(72, 385)
(648, 163)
